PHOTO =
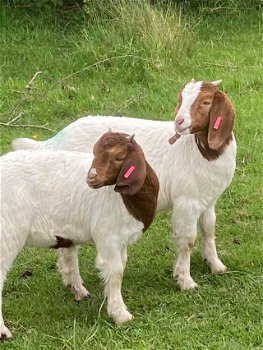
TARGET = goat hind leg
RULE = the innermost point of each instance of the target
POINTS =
(68, 266)
(207, 223)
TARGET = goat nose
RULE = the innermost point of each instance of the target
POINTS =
(179, 121)
(92, 174)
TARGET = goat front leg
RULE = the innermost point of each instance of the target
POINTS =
(68, 266)
(184, 236)
(5, 333)
(111, 262)
(9, 249)
(207, 223)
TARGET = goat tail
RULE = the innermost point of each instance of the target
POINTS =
(25, 143)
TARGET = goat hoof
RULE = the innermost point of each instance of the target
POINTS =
(5, 333)
(83, 294)
(124, 317)
(186, 284)
(86, 297)
(218, 268)
(80, 292)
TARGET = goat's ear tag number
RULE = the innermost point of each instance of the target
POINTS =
(217, 122)
(129, 172)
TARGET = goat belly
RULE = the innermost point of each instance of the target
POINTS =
(42, 240)
(63, 243)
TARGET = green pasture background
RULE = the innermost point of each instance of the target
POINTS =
(131, 58)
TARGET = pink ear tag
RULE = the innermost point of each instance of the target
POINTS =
(217, 122)
(129, 172)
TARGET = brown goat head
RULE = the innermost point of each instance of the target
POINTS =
(118, 160)
(203, 109)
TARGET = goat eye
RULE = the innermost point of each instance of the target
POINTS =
(119, 159)
(206, 103)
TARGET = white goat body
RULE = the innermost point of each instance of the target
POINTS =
(45, 197)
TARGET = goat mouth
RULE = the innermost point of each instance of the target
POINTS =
(94, 185)
(183, 131)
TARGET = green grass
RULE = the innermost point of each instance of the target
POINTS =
(138, 74)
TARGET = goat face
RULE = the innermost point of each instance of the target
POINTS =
(119, 160)
(199, 105)
(194, 104)
(109, 153)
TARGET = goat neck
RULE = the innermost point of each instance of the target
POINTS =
(201, 140)
(142, 205)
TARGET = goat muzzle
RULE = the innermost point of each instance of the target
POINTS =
(92, 174)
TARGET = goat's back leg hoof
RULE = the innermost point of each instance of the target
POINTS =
(80, 292)
(218, 268)
(123, 317)
(186, 283)
(5, 333)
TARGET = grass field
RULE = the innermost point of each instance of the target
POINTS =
(134, 64)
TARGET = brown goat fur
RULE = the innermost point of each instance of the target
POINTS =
(114, 155)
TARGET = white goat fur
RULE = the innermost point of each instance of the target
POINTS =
(189, 183)
(44, 194)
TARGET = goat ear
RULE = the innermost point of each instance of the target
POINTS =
(222, 116)
(133, 171)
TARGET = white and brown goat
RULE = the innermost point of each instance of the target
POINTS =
(46, 202)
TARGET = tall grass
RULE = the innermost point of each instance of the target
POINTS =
(155, 32)
(213, 5)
